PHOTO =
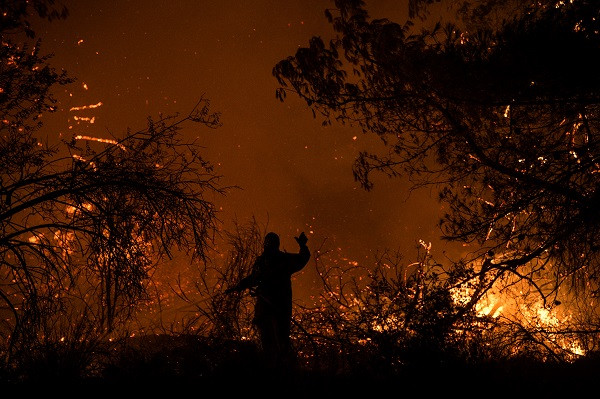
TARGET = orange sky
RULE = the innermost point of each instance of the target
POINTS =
(140, 59)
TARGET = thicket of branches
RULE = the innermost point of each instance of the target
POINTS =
(83, 223)
(395, 315)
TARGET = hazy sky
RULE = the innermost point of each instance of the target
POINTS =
(139, 58)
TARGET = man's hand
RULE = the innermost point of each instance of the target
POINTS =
(302, 239)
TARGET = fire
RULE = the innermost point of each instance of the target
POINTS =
(82, 159)
(71, 209)
(99, 104)
(85, 119)
(101, 140)
(509, 303)
(490, 306)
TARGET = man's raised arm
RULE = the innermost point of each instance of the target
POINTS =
(299, 260)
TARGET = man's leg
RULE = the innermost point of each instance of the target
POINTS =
(287, 358)
(269, 341)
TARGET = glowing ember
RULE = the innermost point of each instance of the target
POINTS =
(99, 104)
(85, 119)
(101, 140)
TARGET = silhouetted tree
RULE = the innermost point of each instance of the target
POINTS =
(220, 316)
(84, 219)
(503, 118)
(16, 15)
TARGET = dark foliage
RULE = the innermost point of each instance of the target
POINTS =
(503, 119)
(83, 222)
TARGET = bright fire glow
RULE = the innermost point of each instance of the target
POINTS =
(509, 303)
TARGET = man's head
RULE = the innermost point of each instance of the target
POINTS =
(271, 242)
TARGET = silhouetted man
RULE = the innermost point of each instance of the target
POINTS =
(271, 275)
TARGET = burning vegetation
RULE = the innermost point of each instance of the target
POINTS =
(89, 224)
